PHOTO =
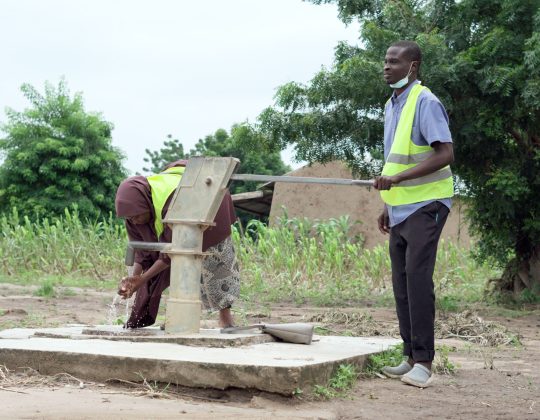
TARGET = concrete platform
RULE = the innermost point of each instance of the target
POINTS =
(206, 337)
(267, 366)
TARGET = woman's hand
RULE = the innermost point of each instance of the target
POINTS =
(129, 285)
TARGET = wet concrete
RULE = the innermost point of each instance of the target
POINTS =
(270, 366)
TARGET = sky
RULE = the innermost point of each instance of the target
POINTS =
(179, 67)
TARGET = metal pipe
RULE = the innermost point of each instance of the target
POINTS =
(302, 180)
(146, 246)
(149, 246)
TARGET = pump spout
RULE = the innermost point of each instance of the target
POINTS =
(147, 246)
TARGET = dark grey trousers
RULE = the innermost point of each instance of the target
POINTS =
(413, 250)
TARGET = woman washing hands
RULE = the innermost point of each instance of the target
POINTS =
(143, 202)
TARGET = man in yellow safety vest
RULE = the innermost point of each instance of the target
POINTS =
(416, 186)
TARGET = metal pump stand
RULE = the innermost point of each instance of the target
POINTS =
(192, 210)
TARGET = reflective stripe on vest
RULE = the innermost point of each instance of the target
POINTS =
(162, 185)
(404, 154)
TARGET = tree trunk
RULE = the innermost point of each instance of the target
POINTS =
(529, 272)
(519, 276)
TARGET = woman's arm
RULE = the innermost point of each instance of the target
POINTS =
(129, 285)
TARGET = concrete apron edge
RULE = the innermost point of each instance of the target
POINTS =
(96, 367)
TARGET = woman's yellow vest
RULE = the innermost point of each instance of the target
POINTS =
(162, 185)
(404, 154)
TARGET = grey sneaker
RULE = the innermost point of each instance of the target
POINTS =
(397, 372)
(419, 376)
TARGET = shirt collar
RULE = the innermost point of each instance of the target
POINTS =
(403, 97)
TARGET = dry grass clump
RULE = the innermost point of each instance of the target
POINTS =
(12, 381)
(17, 380)
(157, 390)
(470, 327)
(465, 325)
(354, 323)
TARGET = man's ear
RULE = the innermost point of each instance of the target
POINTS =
(415, 67)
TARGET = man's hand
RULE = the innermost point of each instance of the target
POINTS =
(385, 182)
(384, 221)
(129, 285)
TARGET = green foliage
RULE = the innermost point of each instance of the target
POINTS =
(171, 151)
(58, 156)
(514, 301)
(441, 364)
(340, 383)
(239, 143)
(253, 160)
(46, 289)
(482, 59)
(391, 357)
(64, 247)
(295, 261)
(317, 261)
(529, 297)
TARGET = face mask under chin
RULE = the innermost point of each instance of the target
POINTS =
(403, 82)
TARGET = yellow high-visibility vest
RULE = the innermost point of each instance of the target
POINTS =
(162, 185)
(404, 154)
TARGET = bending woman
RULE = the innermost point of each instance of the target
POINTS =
(143, 203)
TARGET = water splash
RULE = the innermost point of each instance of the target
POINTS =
(114, 316)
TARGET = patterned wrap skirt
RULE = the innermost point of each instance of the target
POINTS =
(220, 279)
(220, 286)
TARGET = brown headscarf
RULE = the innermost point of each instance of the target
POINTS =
(133, 197)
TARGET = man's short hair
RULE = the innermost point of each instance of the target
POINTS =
(412, 50)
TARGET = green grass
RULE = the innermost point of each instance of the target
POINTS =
(308, 261)
(29, 278)
(391, 357)
(442, 365)
(46, 289)
(340, 383)
(66, 247)
(297, 261)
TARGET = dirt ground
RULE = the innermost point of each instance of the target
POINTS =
(489, 382)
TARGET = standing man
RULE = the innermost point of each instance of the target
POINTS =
(416, 186)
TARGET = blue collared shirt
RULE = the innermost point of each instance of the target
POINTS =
(430, 125)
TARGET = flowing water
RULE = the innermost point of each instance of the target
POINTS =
(115, 317)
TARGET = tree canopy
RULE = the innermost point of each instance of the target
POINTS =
(253, 159)
(482, 59)
(57, 156)
(172, 150)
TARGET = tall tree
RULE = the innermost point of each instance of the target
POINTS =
(482, 58)
(57, 156)
(172, 150)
